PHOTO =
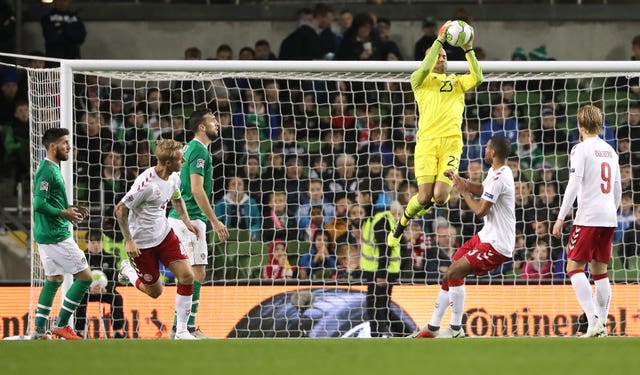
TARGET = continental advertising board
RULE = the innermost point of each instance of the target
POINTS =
(296, 311)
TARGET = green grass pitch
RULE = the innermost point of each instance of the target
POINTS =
(514, 356)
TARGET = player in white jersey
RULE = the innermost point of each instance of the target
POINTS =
(595, 179)
(489, 248)
(148, 235)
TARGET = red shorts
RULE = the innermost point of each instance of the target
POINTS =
(481, 256)
(590, 243)
(168, 251)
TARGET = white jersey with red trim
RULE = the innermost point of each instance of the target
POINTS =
(500, 222)
(147, 202)
(597, 163)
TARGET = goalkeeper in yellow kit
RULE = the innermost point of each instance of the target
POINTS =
(440, 100)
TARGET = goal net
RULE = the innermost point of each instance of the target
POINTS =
(302, 146)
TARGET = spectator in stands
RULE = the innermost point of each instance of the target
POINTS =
(290, 146)
(471, 148)
(344, 178)
(113, 111)
(16, 143)
(630, 240)
(23, 82)
(429, 31)
(106, 191)
(359, 42)
(538, 265)
(274, 173)
(392, 179)
(446, 244)
(557, 255)
(321, 256)
(156, 107)
(417, 244)
(262, 50)
(626, 216)
(345, 20)
(530, 155)
(347, 262)
(238, 210)
(548, 200)
(338, 224)
(310, 41)
(305, 115)
(525, 208)
(320, 169)
(296, 184)
(279, 266)
(277, 223)
(502, 122)
(63, 31)
(224, 52)
(92, 138)
(254, 111)
(251, 173)
(138, 159)
(389, 49)
(333, 144)
(246, 53)
(628, 135)
(100, 260)
(552, 139)
(8, 92)
(314, 197)
(628, 180)
(519, 54)
(251, 145)
(356, 216)
(631, 84)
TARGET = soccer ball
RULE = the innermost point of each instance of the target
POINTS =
(458, 33)
(98, 278)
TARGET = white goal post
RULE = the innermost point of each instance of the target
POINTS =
(237, 301)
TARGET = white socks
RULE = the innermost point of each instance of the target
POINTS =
(456, 298)
(603, 297)
(183, 310)
(582, 288)
(442, 302)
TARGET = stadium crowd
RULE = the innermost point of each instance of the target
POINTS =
(307, 161)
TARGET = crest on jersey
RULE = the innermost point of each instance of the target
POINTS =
(44, 185)
(488, 195)
(200, 163)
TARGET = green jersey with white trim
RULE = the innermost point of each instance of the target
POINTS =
(197, 161)
(49, 199)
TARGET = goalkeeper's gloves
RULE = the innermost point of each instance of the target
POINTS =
(443, 31)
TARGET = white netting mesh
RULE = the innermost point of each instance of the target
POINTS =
(288, 135)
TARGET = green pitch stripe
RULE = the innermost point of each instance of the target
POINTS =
(340, 356)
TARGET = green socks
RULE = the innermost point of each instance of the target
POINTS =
(195, 300)
(47, 294)
(71, 301)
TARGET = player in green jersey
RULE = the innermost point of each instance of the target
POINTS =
(58, 252)
(196, 180)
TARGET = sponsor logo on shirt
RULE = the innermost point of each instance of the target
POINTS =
(200, 163)
(44, 185)
(572, 170)
(488, 195)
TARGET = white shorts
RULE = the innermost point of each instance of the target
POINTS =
(62, 257)
(196, 248)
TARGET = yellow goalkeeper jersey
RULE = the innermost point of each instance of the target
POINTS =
(440, 97)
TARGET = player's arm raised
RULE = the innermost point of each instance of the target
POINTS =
(122, 215)
(466, 188)
(199, 195)
(474, 78)
(430, 59)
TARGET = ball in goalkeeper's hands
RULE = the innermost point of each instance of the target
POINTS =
(458, 33)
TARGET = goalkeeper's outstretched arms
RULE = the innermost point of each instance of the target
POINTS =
(474, 78)
(430, 59)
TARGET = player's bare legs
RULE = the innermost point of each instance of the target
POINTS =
(596, 312)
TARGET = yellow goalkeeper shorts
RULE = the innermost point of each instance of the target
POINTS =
(435, 156)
